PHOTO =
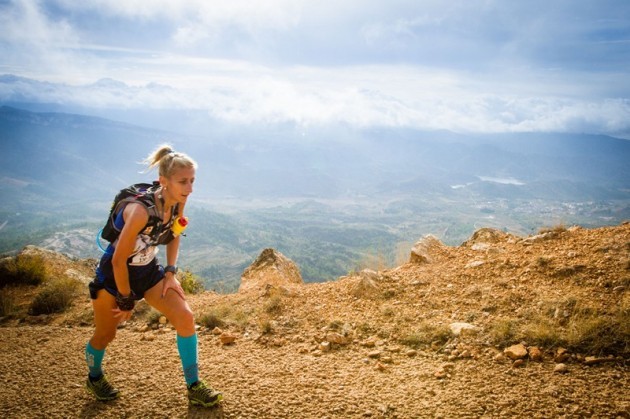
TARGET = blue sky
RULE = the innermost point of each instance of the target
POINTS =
(463, 65)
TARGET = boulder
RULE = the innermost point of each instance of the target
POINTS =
(270, 268)
(458, 327)
(535, 354)
(227, 338)
(426, 250)
(484, 237)
(366, 285)
(514, 352)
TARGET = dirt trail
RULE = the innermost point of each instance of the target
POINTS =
(262, 382)
(282, 364)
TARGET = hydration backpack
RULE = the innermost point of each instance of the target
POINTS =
(141, 193)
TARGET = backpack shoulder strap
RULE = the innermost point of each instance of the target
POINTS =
(141, 193)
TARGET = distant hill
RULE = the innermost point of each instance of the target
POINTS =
(66, 155)
(331, 198)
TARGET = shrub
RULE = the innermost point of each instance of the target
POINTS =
(427, 334)
(211, 320)
(542, 331)
(190, 282)
(556, 229)
(600, 333)
(55, 297)
(273, 305)
(223, 315)
(503, 332)
(266, 326)
(7, 302)
(22, 270)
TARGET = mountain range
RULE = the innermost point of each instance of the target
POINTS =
(326, 196)
(81, 157)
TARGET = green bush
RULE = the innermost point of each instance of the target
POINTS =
(55, 297)
(22, 270)
(190, 282)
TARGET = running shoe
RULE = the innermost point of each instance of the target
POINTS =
(102, 389)
(201, 395)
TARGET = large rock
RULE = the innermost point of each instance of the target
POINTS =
(427, 249)
(271, 268)
(514, 352)
(487, 236)
(366, 285)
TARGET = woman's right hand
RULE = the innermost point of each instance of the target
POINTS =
(122, 316)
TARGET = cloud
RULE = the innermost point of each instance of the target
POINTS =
(358, 97)
(461, 65)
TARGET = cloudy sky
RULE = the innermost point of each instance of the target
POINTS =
(463, 65)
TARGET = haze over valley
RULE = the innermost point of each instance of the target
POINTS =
(334, 199)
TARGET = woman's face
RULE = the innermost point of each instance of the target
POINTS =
(180, 184)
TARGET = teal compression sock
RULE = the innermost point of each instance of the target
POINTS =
(187, 348)
(94, 359)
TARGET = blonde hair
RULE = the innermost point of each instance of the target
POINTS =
(168, 160)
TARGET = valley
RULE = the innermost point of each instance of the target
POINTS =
(326, 238)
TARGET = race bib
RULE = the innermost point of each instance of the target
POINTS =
(143, 252)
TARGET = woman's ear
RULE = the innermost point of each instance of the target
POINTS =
(162, 180)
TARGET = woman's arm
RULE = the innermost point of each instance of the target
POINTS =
(172, 248)
(170, 280)
(136, 217)
(172, 253)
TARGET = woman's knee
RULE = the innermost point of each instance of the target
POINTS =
(102, 338)
(183, 320)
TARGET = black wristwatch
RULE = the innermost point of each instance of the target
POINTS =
(171, 268)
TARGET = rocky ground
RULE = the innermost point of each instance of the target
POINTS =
(439, 337)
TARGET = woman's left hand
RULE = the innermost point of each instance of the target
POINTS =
(171, 282)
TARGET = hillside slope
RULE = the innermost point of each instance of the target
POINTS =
(433, 338)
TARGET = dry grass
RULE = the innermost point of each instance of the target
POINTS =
(55, 297)
(8, 302)
(22, 270)
(224, 315)
(572, 323)
(556, 229)
(503, 332)
(427, 334)
(266, 326)
(273, 306)
(600, 333)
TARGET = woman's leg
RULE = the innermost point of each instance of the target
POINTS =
(174, 307)
(179, 314)
(104, 321)
(104, 332)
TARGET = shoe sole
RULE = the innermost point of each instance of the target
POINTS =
(210, 404)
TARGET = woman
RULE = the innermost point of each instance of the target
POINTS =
(129, 271)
